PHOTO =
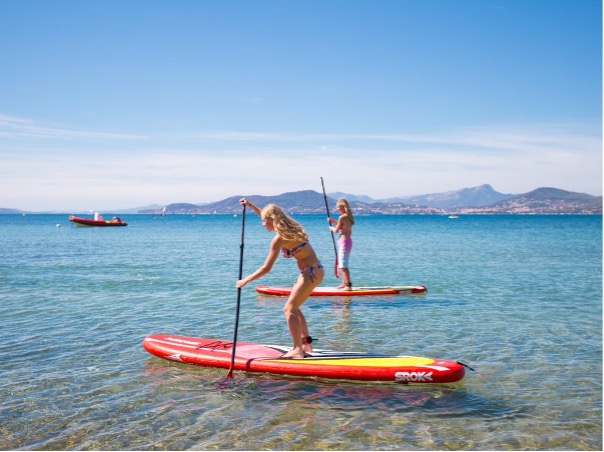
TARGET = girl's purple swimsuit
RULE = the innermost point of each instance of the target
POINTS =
(344, 249)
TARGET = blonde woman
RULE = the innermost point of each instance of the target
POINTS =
(292, 241)
(344, 227)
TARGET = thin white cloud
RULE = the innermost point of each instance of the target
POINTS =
(43, 168)
(14, 127)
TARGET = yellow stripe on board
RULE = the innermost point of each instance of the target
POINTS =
(364, 362)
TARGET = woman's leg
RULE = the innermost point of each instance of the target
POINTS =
(294, 317)
(346, 284)
(346, 260)
(341, 258)
(304, 328)
(345, 247)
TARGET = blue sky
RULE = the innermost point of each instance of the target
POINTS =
(122, 103)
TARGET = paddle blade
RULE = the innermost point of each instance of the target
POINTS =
(335, 269)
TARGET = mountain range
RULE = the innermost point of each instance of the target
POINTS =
(466, 197)
(477, 200)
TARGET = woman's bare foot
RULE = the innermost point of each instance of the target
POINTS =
(347, 287)
(341, 287)
(294, 354)
(307, 348)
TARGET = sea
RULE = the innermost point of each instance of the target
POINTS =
(516, 298)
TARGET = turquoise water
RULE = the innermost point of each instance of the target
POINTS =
(518, 298)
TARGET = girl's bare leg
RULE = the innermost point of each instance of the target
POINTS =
(345, 279)
(304, 327)
(295, 319)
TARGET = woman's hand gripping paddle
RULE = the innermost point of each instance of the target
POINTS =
(333, 239)
(230, 374)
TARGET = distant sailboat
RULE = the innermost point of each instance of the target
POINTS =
(163, 212)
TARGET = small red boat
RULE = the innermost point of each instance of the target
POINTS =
(115, 221)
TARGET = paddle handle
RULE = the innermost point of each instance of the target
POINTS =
(333, 238)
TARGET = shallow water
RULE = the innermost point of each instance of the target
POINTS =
(518, 298)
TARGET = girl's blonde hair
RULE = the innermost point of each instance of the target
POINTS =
(285, 226)
(343, 202)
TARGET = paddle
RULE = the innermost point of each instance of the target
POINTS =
(333, 239)
(230, 374)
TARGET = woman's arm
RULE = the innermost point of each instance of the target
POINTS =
(273, 254)
(256, 209)
(339, 224)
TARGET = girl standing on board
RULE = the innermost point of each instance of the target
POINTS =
(344, 226)
(292, 241)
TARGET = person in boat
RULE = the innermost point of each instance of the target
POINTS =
(344, 227)
(292, 242)
(116, 220)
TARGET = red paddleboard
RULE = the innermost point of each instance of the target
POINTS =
(321, 363)
(356, 291)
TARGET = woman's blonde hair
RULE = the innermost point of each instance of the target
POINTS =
(285, 226)
(343, 202)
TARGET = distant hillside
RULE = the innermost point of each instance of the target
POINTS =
(10, 211)
(547, 193)
(306, 201)
(134, 210)
(466, 197)
(471, 201)
(360, 198)
(482, 195)
(181, 207)
(465, 201)
(546, 201)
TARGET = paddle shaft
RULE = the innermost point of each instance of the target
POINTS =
(333, 238)
(230, 374)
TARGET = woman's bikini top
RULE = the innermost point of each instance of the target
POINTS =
(292, 252)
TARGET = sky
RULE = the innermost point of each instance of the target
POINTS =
(116, 104)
